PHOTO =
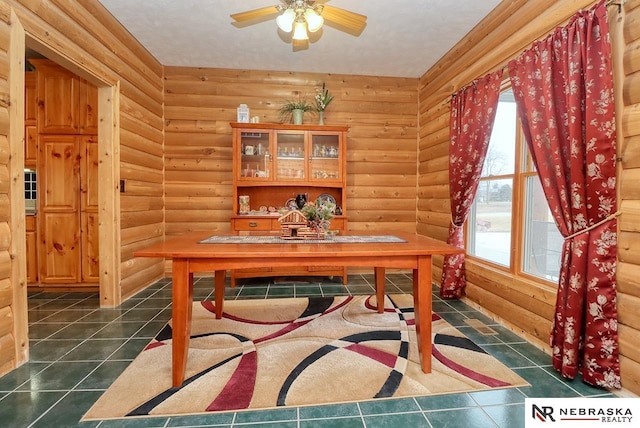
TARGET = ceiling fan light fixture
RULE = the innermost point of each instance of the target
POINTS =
(300, 31)
(298, 18)
(314, 20)
(285, 21)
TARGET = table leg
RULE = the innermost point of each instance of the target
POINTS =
(181, 311)
(219, 292)
(380, 279)
(422, 307)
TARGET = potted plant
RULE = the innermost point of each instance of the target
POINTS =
(294, 110)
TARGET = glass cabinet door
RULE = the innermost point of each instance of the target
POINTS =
(325, 157)
(291, 159)
(255, 158)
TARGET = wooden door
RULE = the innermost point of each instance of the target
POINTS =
(89, 208)
(58, 98)
(59, 238)
(30, 98)
(30, 146)
(30, 119)
(88, 108)
(32, 245)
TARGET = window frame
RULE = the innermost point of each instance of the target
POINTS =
(523, 169)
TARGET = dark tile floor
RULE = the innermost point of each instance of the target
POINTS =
(78, 349)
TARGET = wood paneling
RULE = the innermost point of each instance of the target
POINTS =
(628, 105)
(7, 356)
(381, 113)
(90, 248)
(58, 99)
(13, 298)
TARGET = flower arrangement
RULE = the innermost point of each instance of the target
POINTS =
(323, 98)
(318, 216)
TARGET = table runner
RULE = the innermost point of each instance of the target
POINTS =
(270, 239)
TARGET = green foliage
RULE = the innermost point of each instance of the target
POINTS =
(319, 216)
(289, 106)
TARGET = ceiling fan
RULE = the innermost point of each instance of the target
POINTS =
(304, 16)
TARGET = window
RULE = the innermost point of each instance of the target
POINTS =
(510, 207)
(30, 183)
(542, 240)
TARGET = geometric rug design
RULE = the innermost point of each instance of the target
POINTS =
(296, 352)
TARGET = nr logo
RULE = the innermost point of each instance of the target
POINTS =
(544, 413)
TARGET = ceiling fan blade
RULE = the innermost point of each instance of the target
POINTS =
(345, 18)
(255, 13)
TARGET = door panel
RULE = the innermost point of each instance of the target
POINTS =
(59, 248)
(89, 209)
(58, 173)
(58, 97)
(89, 173)
(90, 247)
(88, 108)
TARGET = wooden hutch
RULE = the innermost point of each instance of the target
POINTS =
(272, 164)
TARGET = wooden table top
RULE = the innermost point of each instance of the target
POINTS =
(188, 246)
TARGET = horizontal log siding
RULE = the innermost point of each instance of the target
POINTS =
(381, 162)
(629, 196)
(8, 341)
(83, 36)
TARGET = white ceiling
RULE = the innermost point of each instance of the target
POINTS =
(403, 38)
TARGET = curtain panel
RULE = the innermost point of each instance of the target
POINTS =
(563, 87)
(473, 110)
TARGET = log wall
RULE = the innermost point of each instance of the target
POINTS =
(629, 193)
(83, 37)
(380, 111)
(14, 338)
(526, 305)
(7, 356)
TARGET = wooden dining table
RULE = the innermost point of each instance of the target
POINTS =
(190, 255)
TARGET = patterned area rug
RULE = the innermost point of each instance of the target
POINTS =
(296, 352)
(258, 239)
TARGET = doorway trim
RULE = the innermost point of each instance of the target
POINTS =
(17, 220)
(109, 194)
(108, 169)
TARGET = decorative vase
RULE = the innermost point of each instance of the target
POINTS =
(321, 118)
(297, 115)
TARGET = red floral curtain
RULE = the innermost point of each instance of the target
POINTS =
(473, 110)
(563, 88)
